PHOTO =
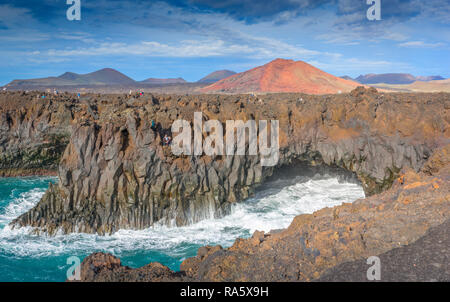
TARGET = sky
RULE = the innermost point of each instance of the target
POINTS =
(191, 38)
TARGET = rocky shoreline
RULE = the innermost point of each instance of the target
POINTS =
(405, 225)
(425, 260)
(26, 173)
(115, 173)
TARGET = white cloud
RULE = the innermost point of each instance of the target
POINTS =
(420, 44)
(256, 48)
(184, 49)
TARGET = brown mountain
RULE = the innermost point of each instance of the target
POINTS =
(282, 76)
(216, 76)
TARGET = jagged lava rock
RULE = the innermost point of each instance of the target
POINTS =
(392, 225)
(116, 174)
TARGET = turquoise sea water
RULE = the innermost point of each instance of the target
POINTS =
(25, 257)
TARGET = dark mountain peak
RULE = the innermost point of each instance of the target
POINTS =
(108, 76)
(69, 76)
(387, 78)
(394, 78)
(346, 77)
(216, 76)
(107, 71)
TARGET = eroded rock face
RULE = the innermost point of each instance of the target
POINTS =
(116, 174)
(315, 246)
(33, 134)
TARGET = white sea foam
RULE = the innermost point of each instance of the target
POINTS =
(20, 205)
(272, 208)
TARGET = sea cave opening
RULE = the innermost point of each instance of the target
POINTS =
(293, 189)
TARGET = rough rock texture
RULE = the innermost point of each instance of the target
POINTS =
(33, 134)
(414, 213)
(101, 267)
(116, 174)
(426, 260)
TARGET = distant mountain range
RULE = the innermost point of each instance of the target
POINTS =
(429, 78)
(282, 76)
(107, 77)
(347, 78)
(163, 81)
(279, 75)
(417, 86)
(392, 78)
(216, 76)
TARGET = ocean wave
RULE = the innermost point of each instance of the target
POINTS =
(269, 210)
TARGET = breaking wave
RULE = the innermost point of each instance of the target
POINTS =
(273, 207)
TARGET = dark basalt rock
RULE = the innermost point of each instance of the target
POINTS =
(33, 136)
(116, 174)
(406, 226)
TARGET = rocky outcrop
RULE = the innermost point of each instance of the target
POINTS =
(406, 225)
(116, 174)
(33, 134)
(314, 243)
(101, 267)
(426, 260)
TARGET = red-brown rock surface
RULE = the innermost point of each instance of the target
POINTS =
(100, 267)
(315, 243)
(282, 76)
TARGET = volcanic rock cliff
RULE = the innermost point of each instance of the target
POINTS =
(116, 174)
(406, 227)
(34, 133)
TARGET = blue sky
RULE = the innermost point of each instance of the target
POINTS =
(191, 38)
